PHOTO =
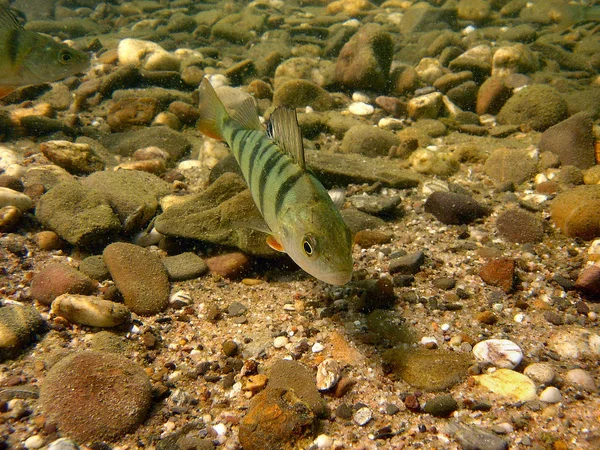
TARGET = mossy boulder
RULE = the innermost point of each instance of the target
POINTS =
(537, 106)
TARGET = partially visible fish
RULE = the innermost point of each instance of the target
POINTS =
(301, 217)
(27, 57)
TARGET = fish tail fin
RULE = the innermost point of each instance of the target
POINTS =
(212, 111)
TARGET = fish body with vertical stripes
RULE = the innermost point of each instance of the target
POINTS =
(301, 217)
(27, 57)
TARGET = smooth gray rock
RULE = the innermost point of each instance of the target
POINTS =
(132, 194)
(126, 143)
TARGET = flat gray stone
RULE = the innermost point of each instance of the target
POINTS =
(338, 169)
(80, 215)
(132, 194)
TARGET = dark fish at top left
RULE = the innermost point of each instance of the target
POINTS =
(27, 57)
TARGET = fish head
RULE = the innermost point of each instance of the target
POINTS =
(316, 237)
(55, 61)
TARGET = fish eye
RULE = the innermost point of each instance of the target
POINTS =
(309, 245)
(64, 56)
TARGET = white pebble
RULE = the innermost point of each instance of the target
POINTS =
(34, 442)
(220, 429)
(218, 80)
(519, 318)
(390, 123)
(499, 352)
(551, 395)
(146, 54)
(7, 158)
(445, 326)
(425, 340)
(10, 197)
(535, 199)
(280, 342)
(189, 164)
(317, 347)
(360, 97)
(63, 444)
(594, 248)
(361, 109)
(363, 416)
(468, 30)
(323, 441)
(354, 23)
(15, 170)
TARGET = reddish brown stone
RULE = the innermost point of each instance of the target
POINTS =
(56, 279)
(140, 276)
(129, 112)
(589, 280)
(499, 272)
(231, 265)
(277, 419)
(492, 95)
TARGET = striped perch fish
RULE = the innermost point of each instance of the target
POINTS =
(301, 217)
(27, 57)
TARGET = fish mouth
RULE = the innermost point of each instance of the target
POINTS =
(337, 278)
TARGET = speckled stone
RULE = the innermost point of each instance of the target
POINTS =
(285, 374)
(577, 211)
(18, 326)
(277, 418)
(140, 276)
(519, 226)
(510, 165)
(185, 266)
(538, 106)
(572, 140)
(428, 370)
(119, 401)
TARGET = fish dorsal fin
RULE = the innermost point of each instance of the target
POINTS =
(246, 115)
(283, 128)
(8, 21)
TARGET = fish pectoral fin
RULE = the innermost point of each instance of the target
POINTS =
(274, 243)
(283, 128)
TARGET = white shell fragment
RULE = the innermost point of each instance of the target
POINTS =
(363, 416)
(90, 310)
(329, 373)
(317, 347)
(361, 109)
(499, 352)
